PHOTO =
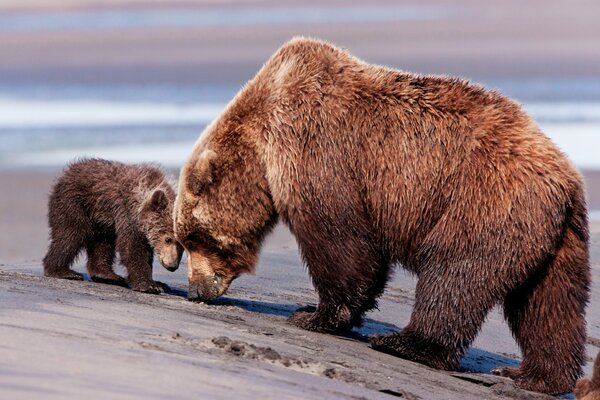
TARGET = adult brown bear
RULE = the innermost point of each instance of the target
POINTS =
(370, 167)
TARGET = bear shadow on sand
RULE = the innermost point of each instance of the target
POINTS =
(474, 361)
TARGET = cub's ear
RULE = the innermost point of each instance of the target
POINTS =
(202, 175)
(156, 202)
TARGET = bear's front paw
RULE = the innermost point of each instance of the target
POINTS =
(151, 287)
(109, 279)
(416, 349)
(304, 320)
(65, 274)
(316, 321)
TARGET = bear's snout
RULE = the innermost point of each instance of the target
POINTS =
(171, 259)
(205, 291)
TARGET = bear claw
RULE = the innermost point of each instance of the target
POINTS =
(150, 287)
(304, 320)
(69, 274)
(110, 280)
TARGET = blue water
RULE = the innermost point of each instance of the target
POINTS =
(49, 125)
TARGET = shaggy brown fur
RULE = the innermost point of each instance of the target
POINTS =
(589, 389)
(370, 167)
(104, 207)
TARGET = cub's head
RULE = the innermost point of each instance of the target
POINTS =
(222, 212)
(156, 221)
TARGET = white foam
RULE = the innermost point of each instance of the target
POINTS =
(580, 141)
(564, 111)
(574, 127)
(167, 154)
(23, 114)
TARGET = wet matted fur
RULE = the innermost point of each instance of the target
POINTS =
(106, 207)
(370, 167)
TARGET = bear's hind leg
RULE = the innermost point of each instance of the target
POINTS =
(62, 252)
(101, 255)
(547, 317)
(136, 255)
(445, 320)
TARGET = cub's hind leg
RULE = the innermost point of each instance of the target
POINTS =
(101, 255)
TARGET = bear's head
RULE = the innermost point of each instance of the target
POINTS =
(223, 209)
(156, 222)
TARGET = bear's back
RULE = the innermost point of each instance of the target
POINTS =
(109, 190)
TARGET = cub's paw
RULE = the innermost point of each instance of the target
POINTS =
(67, 274)
(165, 288)
(151, 287)
(110, 279)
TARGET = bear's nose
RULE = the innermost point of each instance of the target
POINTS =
(171, 268)
(204, 293)
(194, 293)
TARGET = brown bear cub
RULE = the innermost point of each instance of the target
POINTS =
(589, 389)
(108, 207)
(372, 167)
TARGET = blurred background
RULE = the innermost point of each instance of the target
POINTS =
(138, 80)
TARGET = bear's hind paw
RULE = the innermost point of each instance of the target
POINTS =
(110, 280)
(67, 274)
(534, 384)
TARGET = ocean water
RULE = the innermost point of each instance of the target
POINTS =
(50, 126)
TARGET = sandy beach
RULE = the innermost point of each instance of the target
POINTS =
(61, 339)
(95, 61)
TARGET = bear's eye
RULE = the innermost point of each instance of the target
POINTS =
(189, 244)
(168, 240)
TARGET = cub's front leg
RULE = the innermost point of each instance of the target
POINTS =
(136, 255)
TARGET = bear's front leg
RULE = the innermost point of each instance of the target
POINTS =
(348, 273)
(411, 346)
(332, 320)
(136, 255)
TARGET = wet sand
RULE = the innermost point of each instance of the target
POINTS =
(61, 339)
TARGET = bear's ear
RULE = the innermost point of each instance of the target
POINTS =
(203, 173)
(157, 202)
